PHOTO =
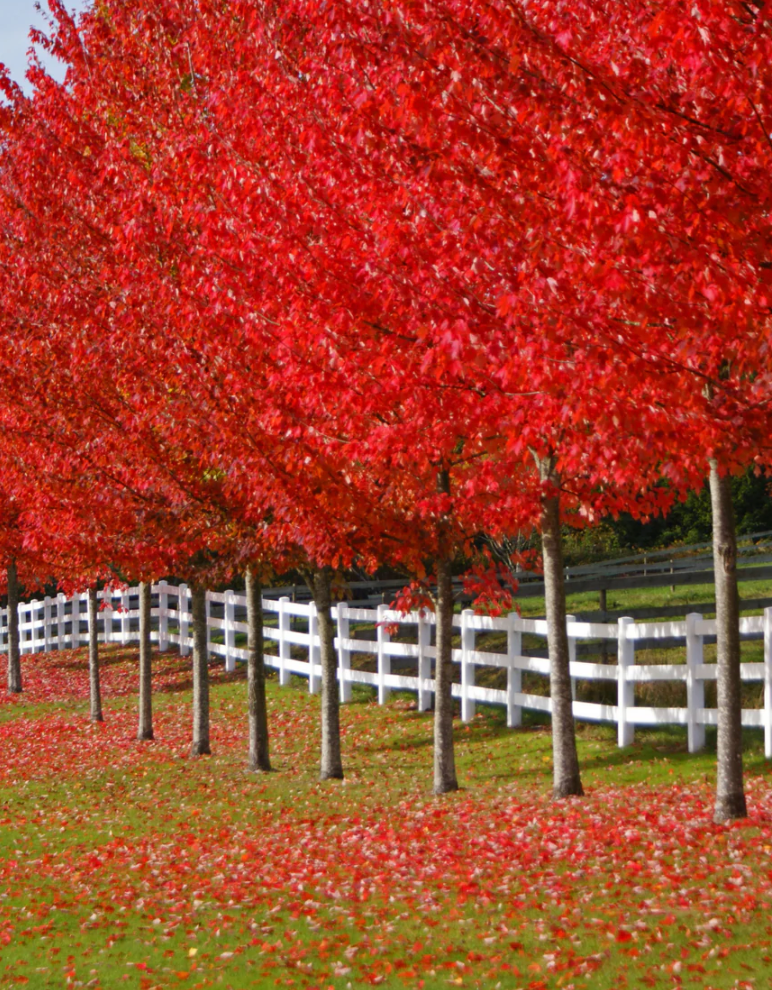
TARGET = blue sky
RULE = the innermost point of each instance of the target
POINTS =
(16, 16)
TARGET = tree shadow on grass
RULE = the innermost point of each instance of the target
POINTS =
(653, 754)
(217, 678)
(106, 661)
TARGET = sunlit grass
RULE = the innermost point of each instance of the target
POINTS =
(126, 864)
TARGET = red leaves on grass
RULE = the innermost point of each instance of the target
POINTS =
(493, 885)
(62, 676)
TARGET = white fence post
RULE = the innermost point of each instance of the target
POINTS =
(61, 638)
(47, 624)
(26, 616)
(625, 688)
(208, 624)
(39, 628)
(514, 674)
(21, 613)
(125, 619)
(695, 686)
(230, 632)
(22, 618)
(384, 658)
(39, 635)
(183, 618)
(96, 621)
(284, 646)
(424, 663)
(75, 623)
(107, 615)
(314, 651)
(38, 623)
(344, 653)
(467, 667)
(768, 683)
(571, 654)
(163, 616)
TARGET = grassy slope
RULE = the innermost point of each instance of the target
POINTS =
(128, 865)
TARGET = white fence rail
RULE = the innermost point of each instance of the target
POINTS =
(61, 623)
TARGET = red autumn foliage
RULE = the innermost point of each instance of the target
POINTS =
(353, 268)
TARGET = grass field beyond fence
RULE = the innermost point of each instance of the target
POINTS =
(131, 865)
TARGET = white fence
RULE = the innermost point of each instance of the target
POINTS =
(57, 623)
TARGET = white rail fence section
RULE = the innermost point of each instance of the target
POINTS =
(58, 623)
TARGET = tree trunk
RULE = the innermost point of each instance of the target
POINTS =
(444, 756)
(95, 693)
(14, 653)
(566, 779)
(730, 797)
(200, 673)
(259, 758)
(145, 729)
(331, 767)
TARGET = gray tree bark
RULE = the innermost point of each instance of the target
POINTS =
(200, 744)
(14, 653)
(566, 778)
(444, 756)
(95, 693)
(730, 796)
(331, 766)
(145, 728)
(259, 758)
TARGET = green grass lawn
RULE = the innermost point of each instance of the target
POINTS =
(130, 865)
(639, 598)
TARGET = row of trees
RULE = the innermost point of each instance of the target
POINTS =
(310, 285)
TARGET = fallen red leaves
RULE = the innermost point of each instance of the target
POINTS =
(216, 871)
(61, 677)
